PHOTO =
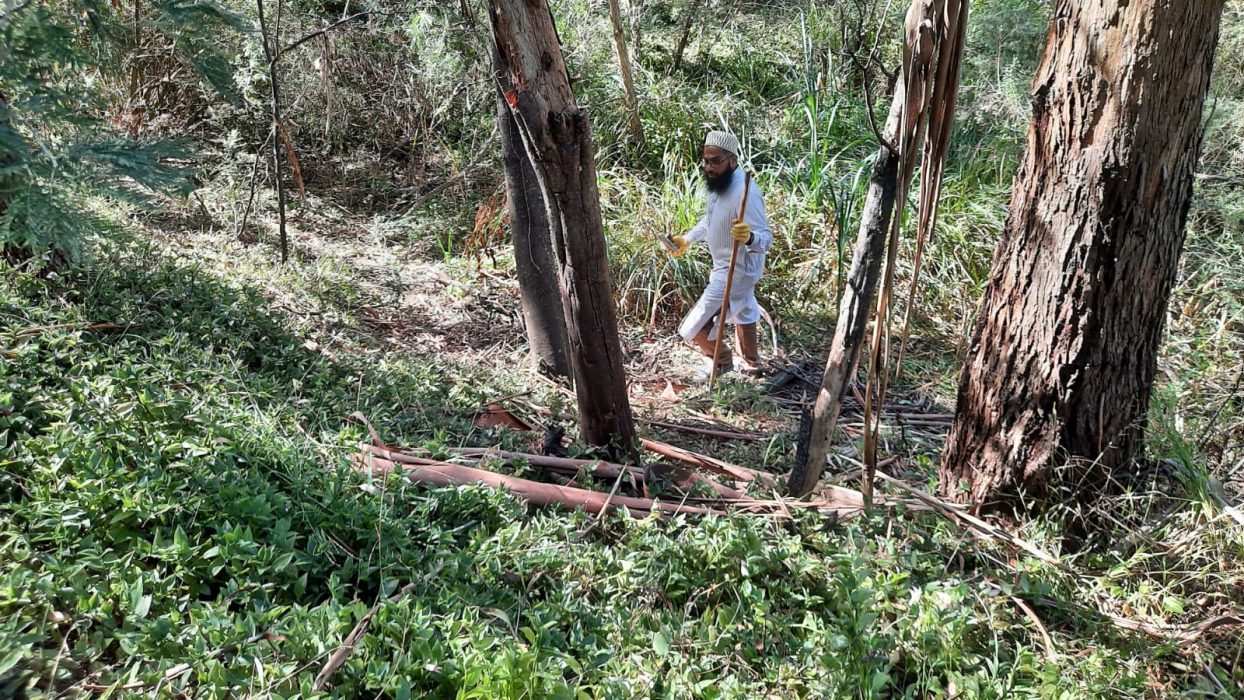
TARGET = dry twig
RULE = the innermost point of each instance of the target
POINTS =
(347, 645)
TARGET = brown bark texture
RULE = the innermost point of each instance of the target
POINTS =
(555, 133)
(1064, 348)
(534, 261)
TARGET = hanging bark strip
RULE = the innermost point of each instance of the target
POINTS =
(1064, 350)
(557, 140)
(932, 32)
(926, 26)
(941, 122)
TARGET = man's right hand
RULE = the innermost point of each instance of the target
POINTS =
(681, 242)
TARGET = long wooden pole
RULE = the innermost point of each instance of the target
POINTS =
(725, 300)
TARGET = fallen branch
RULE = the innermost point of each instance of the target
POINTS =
(598, 469)
(85, 325)
(446, 474)
(1183, 633)
(686, 479)
(721, 434)
(1187, 634)
(709, 464)
(558, 465)
(979, 528)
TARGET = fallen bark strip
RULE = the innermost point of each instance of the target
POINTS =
(1187, 633)
(599, 469)
(557, 465)
(686, 478)
(1051, 654)
(347, 645)
(696, 430)
(709, 464)
(605, 471)
(85, 325)
(1184, 633)
(446, 474)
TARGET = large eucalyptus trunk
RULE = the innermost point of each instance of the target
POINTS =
(1064, 349)
(555, 134)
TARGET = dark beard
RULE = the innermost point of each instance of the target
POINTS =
(721, 183)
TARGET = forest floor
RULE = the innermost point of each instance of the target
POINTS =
(180, 509)
(355, 291)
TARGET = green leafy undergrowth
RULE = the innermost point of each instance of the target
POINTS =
(177, 491)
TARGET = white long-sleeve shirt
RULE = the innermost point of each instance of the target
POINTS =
(714, 229)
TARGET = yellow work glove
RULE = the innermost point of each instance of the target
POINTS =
(681, 242)
(741, 232)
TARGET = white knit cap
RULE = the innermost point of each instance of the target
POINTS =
(723, 140)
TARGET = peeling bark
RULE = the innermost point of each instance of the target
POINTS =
(892, 172)
(1064, 350)
(534, 261)
(555, 133)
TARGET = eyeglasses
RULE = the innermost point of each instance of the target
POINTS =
(714, 161)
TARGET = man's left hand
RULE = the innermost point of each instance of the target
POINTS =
(741, 232)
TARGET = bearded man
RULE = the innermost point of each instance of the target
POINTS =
(721, 230)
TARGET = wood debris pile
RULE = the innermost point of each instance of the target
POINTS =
(674, 481)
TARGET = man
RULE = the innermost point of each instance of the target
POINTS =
(720, 229)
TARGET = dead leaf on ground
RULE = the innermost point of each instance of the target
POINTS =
(495, 416)
(672, 391)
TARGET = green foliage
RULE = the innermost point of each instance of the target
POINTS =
(179, 492)
(56, 147)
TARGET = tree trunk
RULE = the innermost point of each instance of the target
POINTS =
(896, 159)
(7, 250)
(1064, 349)
(271, 51)
(555, 134)
(624, 64)
(857, 300)
(637, 31)
(692, 7)
(534, 261)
